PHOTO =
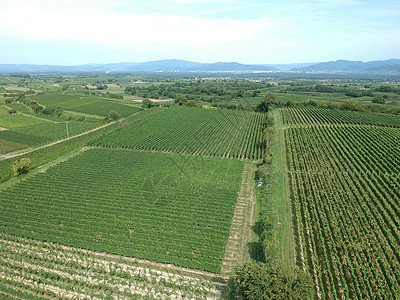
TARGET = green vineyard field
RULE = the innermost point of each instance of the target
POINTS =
(208, 132)
(347, 196)
(162, 207)
(86, 104)
(22, 137)
(30, 269)
(293, 116)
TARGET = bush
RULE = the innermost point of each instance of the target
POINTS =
(21, 166)
(379, 100)
(113, 115)
(48, 110)
(261, 281)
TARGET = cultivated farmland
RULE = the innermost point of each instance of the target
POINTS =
(161, 207)
(223, 133)
(292, 116)
(36, 270)
(86, 104)
(346, 191)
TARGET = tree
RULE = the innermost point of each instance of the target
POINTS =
(261, 281)
(268, 101)
(21, 166)
(146, 103)
(180, 100)
(194, 103)
(379, 100)
(113, 115)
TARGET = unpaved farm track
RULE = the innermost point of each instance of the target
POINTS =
(242, 222)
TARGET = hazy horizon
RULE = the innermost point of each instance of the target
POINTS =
(249, 32)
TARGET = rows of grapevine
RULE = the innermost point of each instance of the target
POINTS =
(208, 132)
(22, 137)
(30, 269)
(9, 121)
(85, 103)
(347, 196)
(162, 207)
(307, 115)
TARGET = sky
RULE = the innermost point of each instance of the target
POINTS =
(71, 32)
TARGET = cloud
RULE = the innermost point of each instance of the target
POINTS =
(122, 28)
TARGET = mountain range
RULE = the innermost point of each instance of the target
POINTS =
(175, 65)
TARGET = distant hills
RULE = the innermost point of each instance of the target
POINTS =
(175, 65)
(355, 66)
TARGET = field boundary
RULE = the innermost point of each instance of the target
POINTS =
(240, 234)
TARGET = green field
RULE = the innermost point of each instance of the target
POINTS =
(84, 103)
(28, 136)
(294, 116)
(38, 270)
(161, 207)
(208, 132)
(346, 191)
(8, 120)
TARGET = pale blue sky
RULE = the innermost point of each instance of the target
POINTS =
(249, 31)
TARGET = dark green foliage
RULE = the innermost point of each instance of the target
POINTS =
(21, 166)
(180, 100)
(379, 100)
(268, 101)
(146, 103)
(49, 110)
(359, 93)
(259, 281)
(194, 103)
(113, 115)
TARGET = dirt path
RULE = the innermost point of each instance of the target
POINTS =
(238, 245)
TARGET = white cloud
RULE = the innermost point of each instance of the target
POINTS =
(131, 29)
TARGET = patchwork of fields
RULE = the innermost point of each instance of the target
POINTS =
(154, 190)
(161, 207)
(346, 190)
(223, 133)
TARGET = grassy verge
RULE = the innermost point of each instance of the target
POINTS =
(273, 216)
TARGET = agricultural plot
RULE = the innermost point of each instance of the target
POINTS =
(208, 132)
(85, 104)
(28, 136)
(8, 120)
(167, 208)
(19, 107)
(293, 116)
(30, 269)
(347, 196)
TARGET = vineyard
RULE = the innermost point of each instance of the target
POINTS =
(84, 103)
(168, 208)
(347, 196)
(36, 270)
(293, 116)
(27, 136)
(208, 132)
